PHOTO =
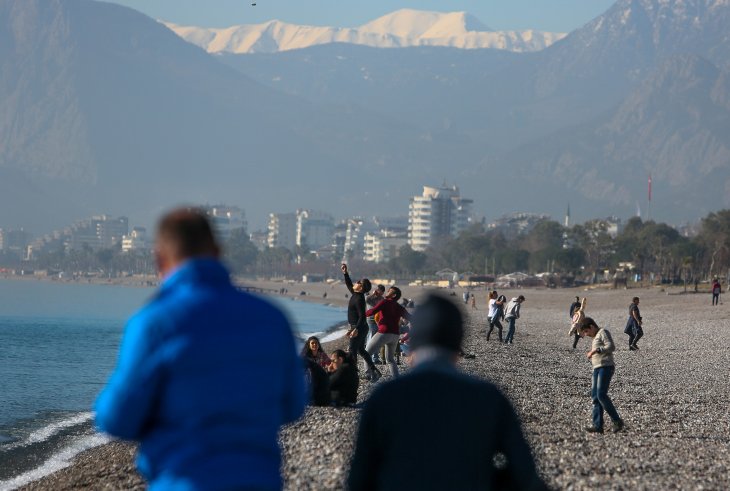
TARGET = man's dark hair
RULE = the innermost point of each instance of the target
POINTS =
(380, 288)
(396, 292)
(366, 285)
(635, 299)
(588, 322)
(521, 298)
(188, 233)
(438, 323)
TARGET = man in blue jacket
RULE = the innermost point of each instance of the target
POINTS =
(206, 374)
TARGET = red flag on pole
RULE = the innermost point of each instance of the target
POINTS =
(649, 187)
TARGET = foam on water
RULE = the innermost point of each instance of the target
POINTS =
(52, 429)
(56, 462)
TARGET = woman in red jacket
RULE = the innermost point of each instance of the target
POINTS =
(388, 333)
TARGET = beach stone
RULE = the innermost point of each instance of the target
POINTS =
(673, 395)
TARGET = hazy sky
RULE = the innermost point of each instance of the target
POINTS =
(544, 15)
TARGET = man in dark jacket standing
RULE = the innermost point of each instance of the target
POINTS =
(205, 409)
(356, 318)
(459, 433)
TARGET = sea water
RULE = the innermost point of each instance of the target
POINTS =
(58, 346)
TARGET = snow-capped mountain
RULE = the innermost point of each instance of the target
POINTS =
(403, 28)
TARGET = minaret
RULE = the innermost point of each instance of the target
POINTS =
(567, 217)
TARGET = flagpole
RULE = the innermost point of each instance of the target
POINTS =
(648, 211)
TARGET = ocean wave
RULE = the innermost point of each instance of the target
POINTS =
(57, 461)
(50, 430)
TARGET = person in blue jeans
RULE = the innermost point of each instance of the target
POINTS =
(512, 313)
(601, 356)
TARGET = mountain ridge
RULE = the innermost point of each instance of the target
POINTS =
(400, 29)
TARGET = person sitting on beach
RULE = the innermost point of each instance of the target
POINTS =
(312, 349)
(206, 412)
(388, 327)
(457, 424)
(577, 315)
(318, 383)
(357, 319)
(344, 381)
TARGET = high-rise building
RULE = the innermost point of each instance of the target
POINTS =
(98, 232)
(136, 241)
(438, 212)
(381, 247)
(304, 228)
(314, 229)
(282, 230)
(225, 219)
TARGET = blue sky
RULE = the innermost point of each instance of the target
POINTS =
(545, 15)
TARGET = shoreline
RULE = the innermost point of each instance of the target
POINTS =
(670, 411)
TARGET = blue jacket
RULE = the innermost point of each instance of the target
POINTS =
(206, 377)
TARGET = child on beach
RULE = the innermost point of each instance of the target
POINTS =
(577, 315)
(601, 356)
(634, 324)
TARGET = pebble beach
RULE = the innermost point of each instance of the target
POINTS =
(673, 395)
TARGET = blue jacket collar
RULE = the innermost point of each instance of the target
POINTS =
(200, 270)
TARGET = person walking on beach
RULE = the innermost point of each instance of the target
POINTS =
(205, 410)
(634, 325)
(512, 313)
(495, 313)
(391, 313)
(372, 300)
(357, 319)
(716, 291)
(601, 356)
(448, 442)
(577, 315)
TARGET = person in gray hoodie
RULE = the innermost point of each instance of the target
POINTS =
(511, 314)
(601, 356)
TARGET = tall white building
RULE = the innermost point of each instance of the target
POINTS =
(282, 230)
(135, 241)
(438, 212)
(314, 229)
(225, 219)
(303, 228)
(381, 247)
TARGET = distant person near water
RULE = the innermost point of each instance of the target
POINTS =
(450, 430)
(511, 314)
(716, 291)
(205, 409)
(634, 324)
(358, 331)
(577, 314)
(601, 356)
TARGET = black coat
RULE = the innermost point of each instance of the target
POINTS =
(436, 428)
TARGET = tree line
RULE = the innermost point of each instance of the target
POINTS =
(578, 251)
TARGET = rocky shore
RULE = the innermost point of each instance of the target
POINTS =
(673, 395)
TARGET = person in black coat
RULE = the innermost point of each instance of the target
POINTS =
(458, 432)
(344, 381)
